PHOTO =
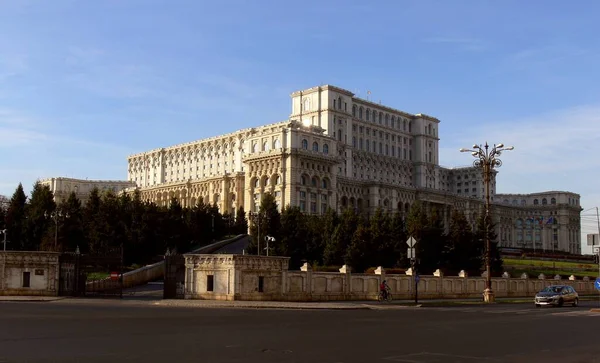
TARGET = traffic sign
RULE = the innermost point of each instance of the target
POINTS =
(411, 242)
(597, 283)
(114, 276)
(410, 253)
(596, 250)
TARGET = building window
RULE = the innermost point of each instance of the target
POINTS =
(315, 146)
(325, 149)
(305, 144)
(210, 283)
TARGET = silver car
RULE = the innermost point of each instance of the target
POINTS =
(557, 295)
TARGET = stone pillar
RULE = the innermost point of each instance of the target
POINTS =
(346, 270)
(307, 278)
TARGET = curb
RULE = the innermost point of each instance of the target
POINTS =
(256, 307)
(595, 310)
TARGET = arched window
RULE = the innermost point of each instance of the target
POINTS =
(266, 146)
(544, 201)
(360, 111)
(278, 180)
(380, 118)
(553, 201)
(305, 144)
(340, 103)
(255, 148)
(303, 180)
(325, 149)
(307, 104)
(523, 202)
(368, 114)
(257, 183)
(315, 146)
(277, 144)
(429, 129)
(409, 126)
(536, 202)
(404, 125)
(387, 119)
(354, 110)
(324, 183)
(313, 182)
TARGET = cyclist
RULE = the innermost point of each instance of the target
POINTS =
(383, 289)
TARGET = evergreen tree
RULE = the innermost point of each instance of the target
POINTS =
(70, 226)
(395, 253)
(294, 235)
(335, 248)
(241, 222)
(15, 220)
(359, 253)
(269, 220)
(42, 220)
(496, 263)
(463, 252)
(93, 223)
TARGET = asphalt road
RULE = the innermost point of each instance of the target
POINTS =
(236, 247)
(98, 331)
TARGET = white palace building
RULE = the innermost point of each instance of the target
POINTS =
(339, 151)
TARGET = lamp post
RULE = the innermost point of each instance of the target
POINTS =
(55, 215)
(256, 217)
(487, 160)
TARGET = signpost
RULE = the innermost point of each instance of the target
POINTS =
(412, 254)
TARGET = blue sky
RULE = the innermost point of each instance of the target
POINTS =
(83, 84)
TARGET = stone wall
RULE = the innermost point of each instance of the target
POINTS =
(29, 273)
(236, 277)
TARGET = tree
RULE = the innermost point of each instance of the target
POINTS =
(294, 235)
(394, 254)
(15, 219)
(92, 223)
(41, 220)
(359, 254)
(70, 232)
(462, 252)
(335, 248)
(268, 220)
(496, 263)
(241, 222)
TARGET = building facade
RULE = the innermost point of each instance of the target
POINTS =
(62, 187)
(336, 151)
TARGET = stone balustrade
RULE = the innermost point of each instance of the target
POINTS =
(244, 274)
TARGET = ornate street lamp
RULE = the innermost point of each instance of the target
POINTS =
(487, 160)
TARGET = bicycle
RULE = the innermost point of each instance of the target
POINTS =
(388, 295)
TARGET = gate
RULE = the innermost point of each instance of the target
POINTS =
(174, 284)
(91, 274)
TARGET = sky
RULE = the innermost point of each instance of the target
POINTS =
(84, 84)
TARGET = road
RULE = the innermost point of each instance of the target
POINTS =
(118, 331)
(236, 247)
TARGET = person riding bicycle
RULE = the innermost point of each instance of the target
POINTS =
(383, 289)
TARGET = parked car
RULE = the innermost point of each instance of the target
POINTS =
(557, 295)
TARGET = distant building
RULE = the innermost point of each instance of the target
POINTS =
(339, 151)
(62, 187)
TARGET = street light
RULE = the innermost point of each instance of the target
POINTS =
(487, 160)
(269, 239)
(55, 215)
(257, 216)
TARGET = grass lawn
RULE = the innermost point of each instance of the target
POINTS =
(518, 262)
